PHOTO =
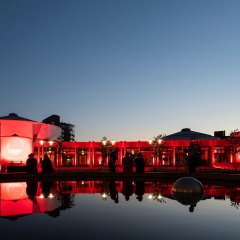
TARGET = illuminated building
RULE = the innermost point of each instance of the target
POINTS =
(166, 152)
(18, 135)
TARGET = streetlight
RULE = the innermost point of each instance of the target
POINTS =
(156, 142)
(41, 143)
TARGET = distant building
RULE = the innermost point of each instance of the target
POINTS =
(68, 130)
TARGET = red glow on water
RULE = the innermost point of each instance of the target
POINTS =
(13, 191)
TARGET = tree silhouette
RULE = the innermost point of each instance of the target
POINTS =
(234, 141)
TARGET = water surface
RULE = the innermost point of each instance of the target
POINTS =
(115, 210)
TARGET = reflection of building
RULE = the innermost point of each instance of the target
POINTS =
(15, 201)
(18, 135)
(68, 133)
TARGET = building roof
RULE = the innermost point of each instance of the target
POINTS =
(14, 116)
(187, 134)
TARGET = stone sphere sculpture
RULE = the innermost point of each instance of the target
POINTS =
(188, 191)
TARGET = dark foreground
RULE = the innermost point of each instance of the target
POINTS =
(213, 175)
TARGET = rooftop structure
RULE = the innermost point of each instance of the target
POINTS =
(187, 134)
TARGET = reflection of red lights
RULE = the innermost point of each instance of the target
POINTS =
(13, 191)
(15, 146)
(16, 190)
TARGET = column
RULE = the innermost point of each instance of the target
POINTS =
(174, 156)
(125, 148)
(212, 160)
(89, 156)
(93, 156)
(121, 154)
(75, 156)
(38, 153)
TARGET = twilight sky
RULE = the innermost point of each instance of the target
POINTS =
(124, 69)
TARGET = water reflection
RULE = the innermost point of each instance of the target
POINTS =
(139, 190)
(127, 189)
(31, 189)
(53, 197)
(188, 191)
(113, 191)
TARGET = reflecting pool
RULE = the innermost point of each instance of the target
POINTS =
(125, 209)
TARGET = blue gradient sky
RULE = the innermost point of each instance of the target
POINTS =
(125, 69)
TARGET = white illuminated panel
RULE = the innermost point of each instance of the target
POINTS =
(16, 149)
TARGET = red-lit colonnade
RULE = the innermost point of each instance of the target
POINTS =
(166, 152)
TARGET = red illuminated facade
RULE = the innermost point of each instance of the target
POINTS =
(168, 151)
(20, 136)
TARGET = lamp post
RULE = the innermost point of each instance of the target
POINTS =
(50, 150)
(156, 143)
(41, 143)
(106, 147)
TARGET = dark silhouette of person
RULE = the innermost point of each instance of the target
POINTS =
(112, 161)
(113, 191)
(31, 189)
(127, 163)
(140, 164)
(47, 164)
(139, 190)
(194, 157)
(47, 186)
(127, 189)
(31, 164)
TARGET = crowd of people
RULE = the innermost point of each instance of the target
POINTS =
(128, 162)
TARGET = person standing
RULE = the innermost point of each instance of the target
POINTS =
(140, 164)
(194, 157)
(127, 163)
(112, 161)
(47, 164)
(31, 164)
